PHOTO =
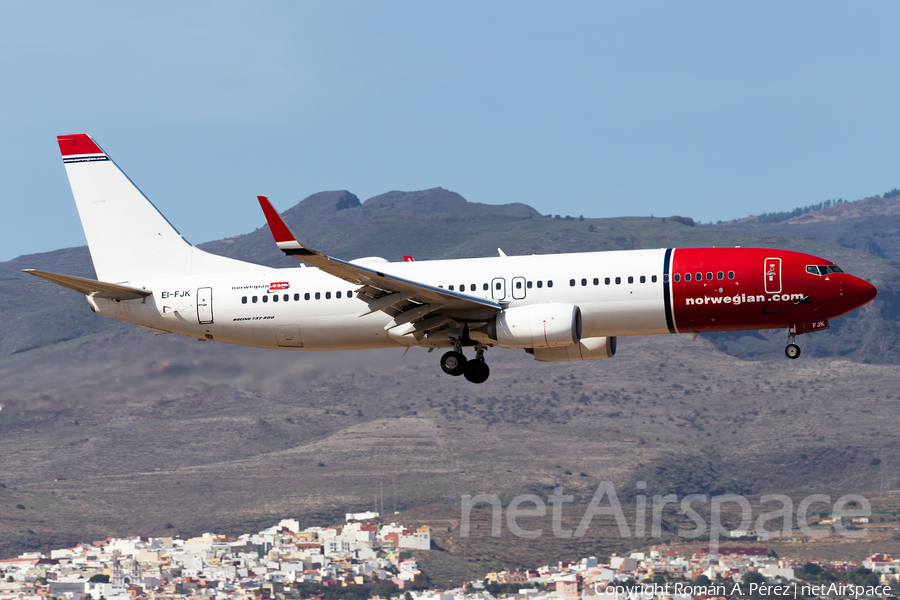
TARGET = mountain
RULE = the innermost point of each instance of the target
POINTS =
(437, 223)
(108, 430)
(871, 225)
(430, 223)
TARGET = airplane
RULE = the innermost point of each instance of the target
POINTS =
(559, 308)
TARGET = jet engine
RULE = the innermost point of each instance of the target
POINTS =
(586, 349)
(536, 326)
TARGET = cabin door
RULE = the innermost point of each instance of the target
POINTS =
(204, 305)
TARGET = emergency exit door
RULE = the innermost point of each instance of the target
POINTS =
(498, 288)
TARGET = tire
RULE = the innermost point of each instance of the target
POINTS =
(453, 363)
(792, 351)
(477, 371)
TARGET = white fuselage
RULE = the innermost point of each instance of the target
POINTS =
(316, 311)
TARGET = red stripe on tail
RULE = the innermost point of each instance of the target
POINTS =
(79, 143)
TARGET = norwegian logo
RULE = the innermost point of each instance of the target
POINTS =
(278, 286)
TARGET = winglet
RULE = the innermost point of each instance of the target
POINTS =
(283, 235)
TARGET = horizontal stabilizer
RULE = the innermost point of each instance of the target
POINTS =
(89, 287)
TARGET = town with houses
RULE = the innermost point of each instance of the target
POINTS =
(376, 561)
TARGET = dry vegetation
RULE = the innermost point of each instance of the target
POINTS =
(107, 430)
(128, 433)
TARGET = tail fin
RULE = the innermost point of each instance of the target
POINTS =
(128, 237)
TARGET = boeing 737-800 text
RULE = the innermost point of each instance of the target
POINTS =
(563, 307)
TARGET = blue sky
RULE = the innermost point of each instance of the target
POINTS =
(709, 110)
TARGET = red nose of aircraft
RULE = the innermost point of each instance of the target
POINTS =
(859, 291)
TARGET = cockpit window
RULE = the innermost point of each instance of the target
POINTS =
(823, 269)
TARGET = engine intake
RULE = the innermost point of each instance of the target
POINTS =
(537, 326)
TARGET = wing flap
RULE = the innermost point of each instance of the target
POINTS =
(89, 287)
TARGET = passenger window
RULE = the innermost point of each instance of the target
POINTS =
(606, 280)
(540, 284)
(265, 299)
(286, 297)
(244, 300)
(653, 279)
(472, 287)
(518, 285)
(337, 295)
(618, 280)
(572, 282)
(306, 296)
(630, 279)
(709, 276)
(462, 287)
(328, 295)
(549, 283)
(643, 279)
(485, 287)
(528, 284)
(349, 294)
(497, 286)
(254, 299)
(720, 275)
(699, 277)
(296, 297)
(687, 277)
(596, 281)
(318, 296)
(275, 298)
(676, 277)
(730, 274)
(450, 287)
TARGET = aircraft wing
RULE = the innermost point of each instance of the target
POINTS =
(405, 299)
(89, 287)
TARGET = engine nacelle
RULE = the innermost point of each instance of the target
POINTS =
(537, 326)
(587, 349)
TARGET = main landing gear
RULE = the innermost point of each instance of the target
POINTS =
(455, 363)
(792, 350)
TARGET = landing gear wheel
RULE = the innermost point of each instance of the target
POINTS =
(477, 371)
(792, 351)
(453, 363)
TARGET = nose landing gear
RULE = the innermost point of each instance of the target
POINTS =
(455, 363)
(793, 350)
